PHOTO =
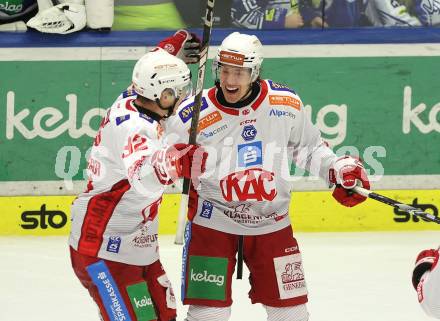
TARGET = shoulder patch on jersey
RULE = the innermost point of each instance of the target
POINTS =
(186, 113)
(129, 92)
(146, 117)
(209, 120)
(280, 87)
(285, 100)
(121, 119)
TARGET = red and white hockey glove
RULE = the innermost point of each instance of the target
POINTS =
(426, 261)
(189, 161)
(183, 45)
(347, 173)
(179, 160)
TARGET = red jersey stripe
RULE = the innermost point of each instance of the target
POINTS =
(263, 94)
(129, 106)
(99, 211)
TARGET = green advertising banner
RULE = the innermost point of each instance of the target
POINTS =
(386, 109)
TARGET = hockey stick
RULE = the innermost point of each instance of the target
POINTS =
(240, 257)
(195, 114)
(403, 207)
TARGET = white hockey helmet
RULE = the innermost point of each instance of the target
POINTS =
(240, 50)
(157, 71)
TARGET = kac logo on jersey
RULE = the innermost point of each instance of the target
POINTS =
(249, 132)
(250, 154)
(250, 184)
(114, 243)
(207, 208)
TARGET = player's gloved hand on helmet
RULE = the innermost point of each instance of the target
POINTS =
(183, 45)
(189, 160)
(348, 172)
(426, 261)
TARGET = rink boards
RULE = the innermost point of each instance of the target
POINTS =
(372, 96)
(309, 211)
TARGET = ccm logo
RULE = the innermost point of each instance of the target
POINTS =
(291, 249)
(248, 121)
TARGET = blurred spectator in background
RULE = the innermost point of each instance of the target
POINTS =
(390, 13)
(15, 14)
(67, 16)
(147, 14)
(355, 13)
(427, 11)
(266, 14)
(193, 14)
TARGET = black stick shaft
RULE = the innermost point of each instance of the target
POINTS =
(240, 258)
(403, 207)
(207, 27)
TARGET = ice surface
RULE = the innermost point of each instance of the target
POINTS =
(350, 277)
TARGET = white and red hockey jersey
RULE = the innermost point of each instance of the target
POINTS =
(428, 292)
(246, 187)
(116, 218)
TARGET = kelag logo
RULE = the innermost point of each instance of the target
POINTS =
(11, 6)
(43, 219)
(50, 115)
(207, 277)
(404, 217)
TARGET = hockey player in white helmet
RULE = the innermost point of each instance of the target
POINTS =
(252, 129)
(113, 238)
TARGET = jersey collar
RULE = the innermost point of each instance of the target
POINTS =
(236, 111)
(130, 105)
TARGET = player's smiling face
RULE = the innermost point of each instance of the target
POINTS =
(234, 82)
